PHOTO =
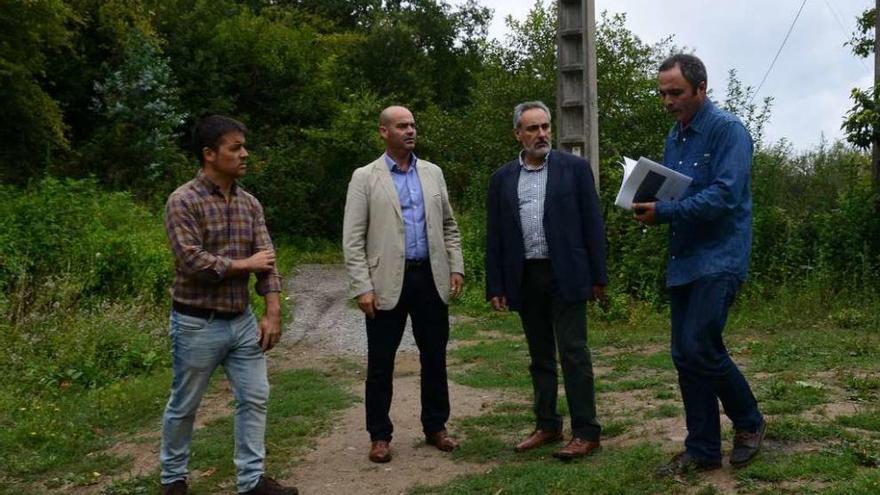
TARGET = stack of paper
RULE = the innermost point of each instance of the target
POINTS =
(646, 181)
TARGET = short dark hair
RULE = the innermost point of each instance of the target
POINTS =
(209, 130)
(691, 67)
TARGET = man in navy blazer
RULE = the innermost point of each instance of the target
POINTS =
(545, 257)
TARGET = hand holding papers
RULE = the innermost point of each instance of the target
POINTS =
(646, 181)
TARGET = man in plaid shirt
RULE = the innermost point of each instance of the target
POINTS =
(218, 235)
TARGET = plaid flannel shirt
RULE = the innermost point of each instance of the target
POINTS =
(206, 235)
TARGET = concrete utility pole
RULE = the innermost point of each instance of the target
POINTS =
(577, 106)
(875, 148)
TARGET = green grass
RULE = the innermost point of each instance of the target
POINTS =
(302, 404)
(82, 380)
(867, 420)
(785, 466)
(614, 471)
(799, 351)
(791, 428)
(493, 363)
(786, 394)
(665, 411)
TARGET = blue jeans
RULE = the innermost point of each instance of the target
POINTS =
(198, 346)
(705, 371)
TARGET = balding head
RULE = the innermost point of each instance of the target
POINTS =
(398, 129)
(392, 112)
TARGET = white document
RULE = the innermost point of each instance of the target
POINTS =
(646, 181)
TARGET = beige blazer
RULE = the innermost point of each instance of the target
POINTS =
(373, 236)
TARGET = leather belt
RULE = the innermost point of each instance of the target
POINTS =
(208, 314)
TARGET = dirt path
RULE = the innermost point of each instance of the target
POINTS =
(325, 322)
(326, 327)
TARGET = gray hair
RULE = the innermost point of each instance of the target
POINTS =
(525, 106)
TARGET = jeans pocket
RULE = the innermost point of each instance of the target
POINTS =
(186, 323)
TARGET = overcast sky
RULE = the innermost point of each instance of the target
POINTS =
(811, 80)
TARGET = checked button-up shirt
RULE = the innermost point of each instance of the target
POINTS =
(531, 190)
(206, 234)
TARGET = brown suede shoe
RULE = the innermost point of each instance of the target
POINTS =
(577, 447)
(175, 488)
(442, 441)
(380, 451)
(537, 439)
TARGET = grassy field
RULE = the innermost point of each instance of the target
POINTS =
(813, 362)
(61, 428)
(813, 359)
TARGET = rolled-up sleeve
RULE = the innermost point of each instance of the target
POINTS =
(269, 281)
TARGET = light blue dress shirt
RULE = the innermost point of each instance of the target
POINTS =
(412, 205)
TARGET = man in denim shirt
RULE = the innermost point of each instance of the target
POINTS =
(709, 242)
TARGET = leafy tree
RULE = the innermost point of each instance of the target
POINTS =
(32, 129)
(739, 102)
(862, 121)
(135, 144)
(420, 52)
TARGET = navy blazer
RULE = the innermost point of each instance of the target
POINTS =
(573, 227)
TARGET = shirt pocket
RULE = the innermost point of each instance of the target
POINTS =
(700, 167)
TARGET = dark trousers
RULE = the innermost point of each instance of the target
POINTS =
(705, 371)
(430, 324)
(551, 323)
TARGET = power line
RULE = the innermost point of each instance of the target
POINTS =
(784, 40)
(836, 17)
(840, 23)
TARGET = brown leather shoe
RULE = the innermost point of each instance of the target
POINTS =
(442, 441)
(380, 451)
(577, 447)
(537, 439)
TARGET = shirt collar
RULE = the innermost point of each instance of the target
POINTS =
(699, 118)
(529, 168)
(392, 165)
(211, 188)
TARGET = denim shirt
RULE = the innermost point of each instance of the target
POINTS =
(711, 224)
(412, 205)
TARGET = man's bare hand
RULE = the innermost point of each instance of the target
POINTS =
(261, 261)
(499, 303)
(367, 303)
(645, 213)
(600, 297)
(456, 282)
(270, 331)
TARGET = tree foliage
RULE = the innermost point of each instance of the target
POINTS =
(32, 126)
(862, 122)
(109, 88)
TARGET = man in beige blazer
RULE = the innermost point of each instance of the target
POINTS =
(403, 254)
